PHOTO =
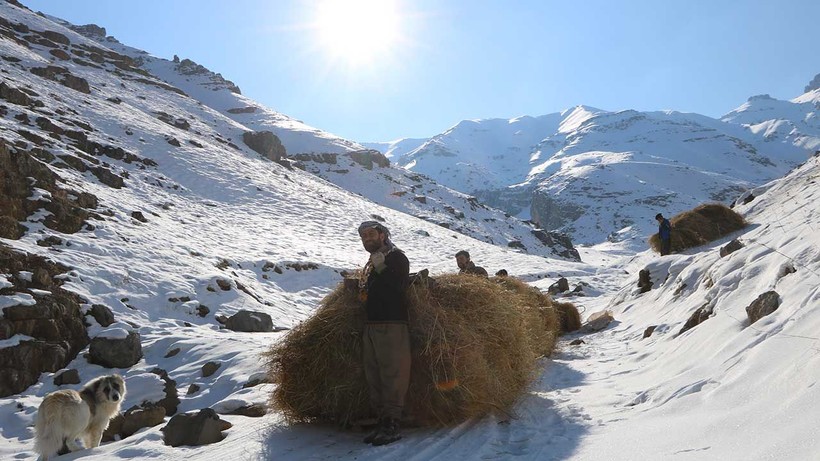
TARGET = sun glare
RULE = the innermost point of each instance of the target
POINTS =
(357, 31)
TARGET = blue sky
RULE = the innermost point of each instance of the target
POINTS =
(454, 60)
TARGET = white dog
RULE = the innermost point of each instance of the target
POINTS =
(68, 420)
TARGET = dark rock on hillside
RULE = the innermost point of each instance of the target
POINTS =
(55, 322)
(15, 96)
(64, 77)
(644, 280)
(92, 31)
(813, 85)
(369, 157)
(250, 321)
(550, 213)
(171, 400)
(730, 248)
(764, 305)
(560, 286)
(699, 316)
(56, 37)
(190, 429)
(135, 418)
(560, 243)
(116, 352)
(102, 314)
(265, 143)
(242, 110)
(67, 377)
(68, 215)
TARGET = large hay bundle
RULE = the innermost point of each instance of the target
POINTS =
(568, 315)
(475, 342)
(700, 225)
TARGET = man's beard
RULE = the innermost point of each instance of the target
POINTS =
(372, 247)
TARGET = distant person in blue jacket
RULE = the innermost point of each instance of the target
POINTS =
(664, 233)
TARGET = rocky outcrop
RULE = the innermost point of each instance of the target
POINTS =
(17, 169)
(369, 157)
(51, 321)
(560, 243)
(551, 213)
(813, 85)
(64, 77)
(265, 143)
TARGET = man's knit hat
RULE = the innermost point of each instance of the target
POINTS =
(374, 225)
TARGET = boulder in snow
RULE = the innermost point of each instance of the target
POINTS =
(250, 321)
(190, 429)
(764, 305)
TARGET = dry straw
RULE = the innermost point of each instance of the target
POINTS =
(700, 225)
(475, 342)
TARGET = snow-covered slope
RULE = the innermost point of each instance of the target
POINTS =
(213, 91)
(223, 96)
(601, 175)
(369, 174)
(395, 149)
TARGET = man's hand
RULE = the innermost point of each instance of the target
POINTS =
(377, 259)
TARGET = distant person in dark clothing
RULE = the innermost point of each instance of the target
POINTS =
(664, 233)
(386, 339)
(466, 266)
(502, 273)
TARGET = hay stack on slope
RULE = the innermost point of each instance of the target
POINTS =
(475, 343)
(700, 225)
(568, 315)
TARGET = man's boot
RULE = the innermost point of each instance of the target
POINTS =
(389, 432)
(372, 434)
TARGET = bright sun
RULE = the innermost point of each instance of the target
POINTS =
(357, 31)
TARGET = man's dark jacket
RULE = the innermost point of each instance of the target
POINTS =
(386, 291)
(665, 230)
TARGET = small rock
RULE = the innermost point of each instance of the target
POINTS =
(764, 305)
(210, 368)
(649, 330)
(71, 376)
(193, 389)
(172, 352)
(577, 342)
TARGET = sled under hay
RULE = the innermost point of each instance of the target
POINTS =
(474, 342)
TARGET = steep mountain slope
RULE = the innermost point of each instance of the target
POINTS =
(314, 147)
(601, 175)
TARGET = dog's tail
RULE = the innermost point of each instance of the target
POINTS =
(47, 441)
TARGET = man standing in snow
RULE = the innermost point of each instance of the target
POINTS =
(664, 233)
(466, 266)
(386, 339)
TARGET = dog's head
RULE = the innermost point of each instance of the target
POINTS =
(109, 388)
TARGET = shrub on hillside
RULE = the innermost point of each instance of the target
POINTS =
(474, 342)
(700, 225)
